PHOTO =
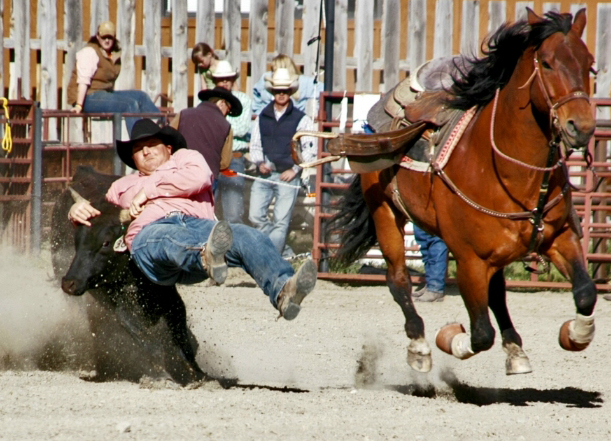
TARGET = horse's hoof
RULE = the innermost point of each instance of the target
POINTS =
(444, 336)
(565, 340)
(517, 362)
(419, 355)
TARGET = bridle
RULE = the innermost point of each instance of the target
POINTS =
(554, 122)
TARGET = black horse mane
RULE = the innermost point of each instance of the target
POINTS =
(502, 50)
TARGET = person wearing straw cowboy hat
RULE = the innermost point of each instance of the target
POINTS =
(270, 150)
(206, 129)
(173, 237)
(230, 191)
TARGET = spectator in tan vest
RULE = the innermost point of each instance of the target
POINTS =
(92, 85)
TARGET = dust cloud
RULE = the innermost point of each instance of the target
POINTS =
(40, 326)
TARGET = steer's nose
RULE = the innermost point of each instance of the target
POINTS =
(68, 286)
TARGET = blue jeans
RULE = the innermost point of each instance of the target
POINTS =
(167, 251)
(120, 101)
(435, 257)
(261, 196)
(231, 192)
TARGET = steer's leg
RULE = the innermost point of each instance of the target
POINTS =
(517, 362)
(566, 254)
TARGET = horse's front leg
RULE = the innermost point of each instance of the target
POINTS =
(389, 231)
(517, 361)
(565, 253)
(472, 276)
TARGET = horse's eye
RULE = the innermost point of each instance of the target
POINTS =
(546, 65)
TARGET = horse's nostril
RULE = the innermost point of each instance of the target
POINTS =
(571, 129)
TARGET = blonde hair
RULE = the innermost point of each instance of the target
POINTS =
(283, 61)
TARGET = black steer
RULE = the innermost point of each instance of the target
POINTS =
(139, 328)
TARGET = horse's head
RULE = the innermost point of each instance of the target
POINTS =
(560, 82)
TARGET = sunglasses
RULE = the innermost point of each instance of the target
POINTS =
(281, 91)
(107, 37)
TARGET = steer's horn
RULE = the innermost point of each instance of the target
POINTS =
(77, 197)
(124, 216)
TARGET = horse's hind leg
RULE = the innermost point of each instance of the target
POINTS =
(390, 234)
(565, 253)
(517, 362)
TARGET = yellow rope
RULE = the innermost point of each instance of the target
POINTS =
(7, 139)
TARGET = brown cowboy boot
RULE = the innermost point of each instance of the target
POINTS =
(295, 290)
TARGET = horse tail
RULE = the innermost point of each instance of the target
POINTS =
(353, 224)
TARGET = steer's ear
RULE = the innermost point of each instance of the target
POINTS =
(120, 246)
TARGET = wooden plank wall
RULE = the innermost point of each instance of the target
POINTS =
(40, 39)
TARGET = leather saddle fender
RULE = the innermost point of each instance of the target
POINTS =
(370, 152)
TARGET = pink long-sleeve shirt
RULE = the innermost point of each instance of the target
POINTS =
(183, 183)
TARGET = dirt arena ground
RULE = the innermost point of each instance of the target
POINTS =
(301, 379)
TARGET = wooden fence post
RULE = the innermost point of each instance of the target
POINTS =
(391, 22)
(152, 37)
(20, 33)
(311, 18)
(232, 29)
(99, 14)
(469, 33)
(179, 55)
(285, 26)
(416, 34)
(363, 45)
(340, 45)
(258, 38)
(126, 34)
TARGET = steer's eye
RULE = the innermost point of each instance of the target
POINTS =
(106, 244)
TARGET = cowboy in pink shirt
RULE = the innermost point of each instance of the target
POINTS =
(174, 238)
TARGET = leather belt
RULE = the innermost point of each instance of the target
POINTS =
(238, 154)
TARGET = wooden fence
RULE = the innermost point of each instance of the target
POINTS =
(375, 42)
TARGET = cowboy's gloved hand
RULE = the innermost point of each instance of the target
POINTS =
(138, 204)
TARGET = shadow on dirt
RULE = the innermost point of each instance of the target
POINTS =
(485, 396)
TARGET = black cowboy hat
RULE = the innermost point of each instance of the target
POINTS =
(221, 92)
(146, 128)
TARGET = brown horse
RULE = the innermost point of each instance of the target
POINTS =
(502, 195)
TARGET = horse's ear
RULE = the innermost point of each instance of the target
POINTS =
(532, 17)
(580, 22)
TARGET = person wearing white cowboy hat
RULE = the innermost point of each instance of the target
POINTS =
(270, 150)
(206, 129)
(230, 190)
(306, 94)
(173, 236)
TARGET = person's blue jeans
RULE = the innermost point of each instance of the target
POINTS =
(120, 101)
(231, 192)
(167, 251)
(261, 196)
(435, 257)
